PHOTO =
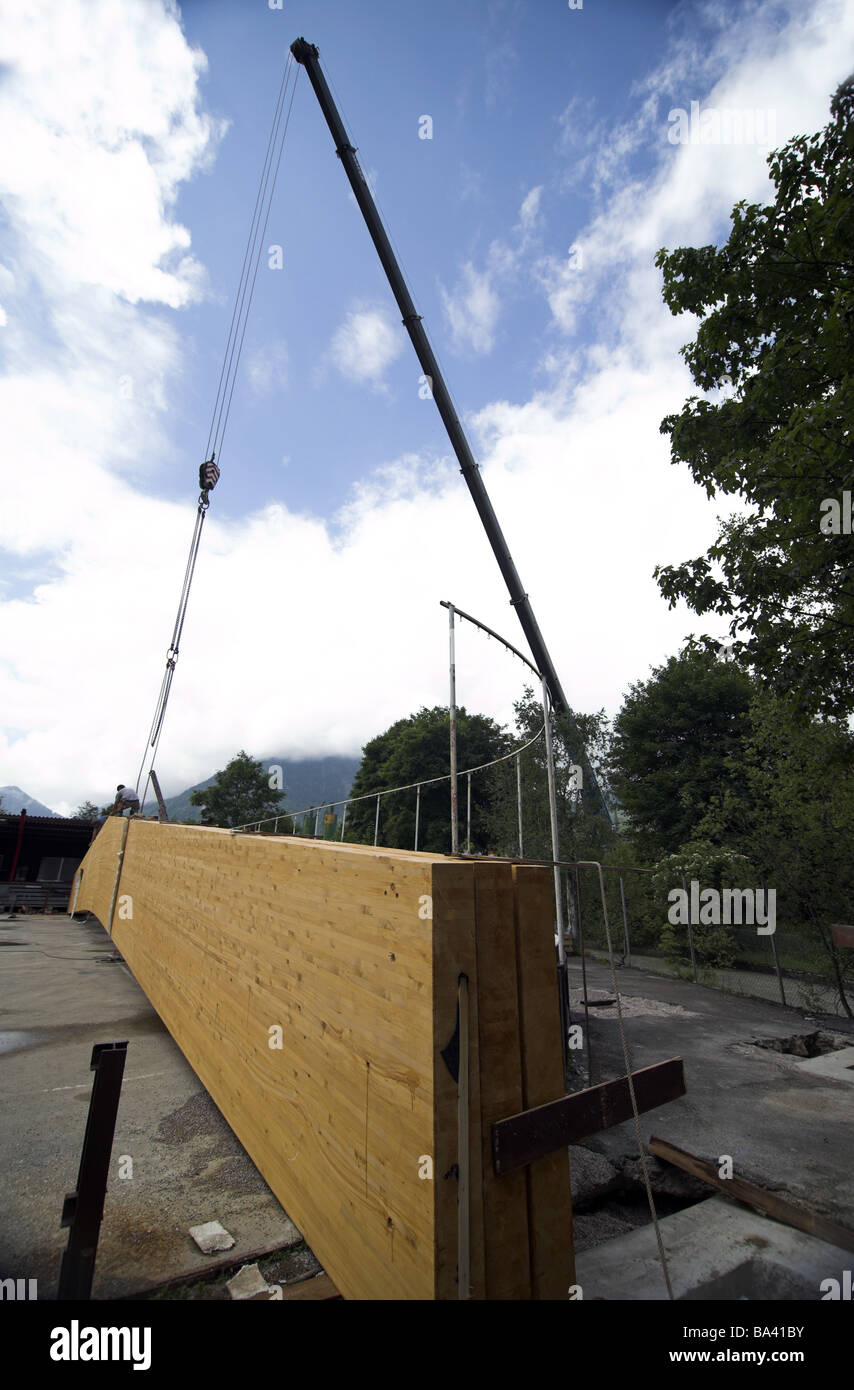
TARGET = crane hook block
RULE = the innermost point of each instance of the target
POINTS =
(208, 475)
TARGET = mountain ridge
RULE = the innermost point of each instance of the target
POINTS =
(14, 800)
(307, 782)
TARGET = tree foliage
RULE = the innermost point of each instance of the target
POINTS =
(676, 744)
(791, 809)
(415, 750)
(87, 810)
(584, 827)
(776, 310)
(240, 793)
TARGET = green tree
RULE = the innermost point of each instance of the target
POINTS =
(578, 741)
(712, 866)
(241, 793)
(87, 810)
(417, 749)
(791, 808)
(776, 310)
(676, 745)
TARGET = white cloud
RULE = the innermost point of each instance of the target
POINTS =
(267, 368)
(364, 345)
(472, 310)
(102, 142)
(530, 208)
(473, 307)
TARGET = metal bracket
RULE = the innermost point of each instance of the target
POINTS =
(83, 1209)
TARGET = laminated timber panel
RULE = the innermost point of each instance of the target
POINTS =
(234, 935)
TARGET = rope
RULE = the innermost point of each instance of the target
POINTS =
(242, 304)
(627, 1060)
(209, 471)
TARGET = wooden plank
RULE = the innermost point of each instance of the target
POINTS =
(529, 1135)
(454, 953)
(842, 935)
(769, 1203)
(547, 1180)
(505, 1202)
(320, 1288)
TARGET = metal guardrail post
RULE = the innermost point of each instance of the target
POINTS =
(625, 921)
(452, 718)
(772, 938)
(519, 798)
(468, 814)
(83, 1208)
(690, 930)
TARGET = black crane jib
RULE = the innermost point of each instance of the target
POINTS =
(307, 54)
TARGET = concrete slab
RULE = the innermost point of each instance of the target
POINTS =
(715, 1250)
(60, 994)
(839, 1065)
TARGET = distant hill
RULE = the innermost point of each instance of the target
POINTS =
(308, 782)
(13, 801)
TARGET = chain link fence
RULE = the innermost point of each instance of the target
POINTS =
(786, 967)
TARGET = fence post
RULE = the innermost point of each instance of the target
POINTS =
(417, 811)
(550, 768)
(587, 1046)
(377, 819)
(570, 912)
(452, 711)
(468, 815)
(519, 798)
(773, 939)
(625, 921)
(343, 820)
(690, 930)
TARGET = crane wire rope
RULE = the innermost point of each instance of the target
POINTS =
(209, 471)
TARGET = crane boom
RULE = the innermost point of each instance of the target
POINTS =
(307, 54)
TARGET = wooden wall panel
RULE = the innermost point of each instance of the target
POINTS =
(549, 1198)
(354, 953)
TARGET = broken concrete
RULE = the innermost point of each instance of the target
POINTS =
(212, 1237)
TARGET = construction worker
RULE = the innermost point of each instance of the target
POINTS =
(125, 797)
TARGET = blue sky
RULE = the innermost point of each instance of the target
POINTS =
(527, 227)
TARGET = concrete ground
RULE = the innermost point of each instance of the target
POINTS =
(60, 993)
(787, 1122)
